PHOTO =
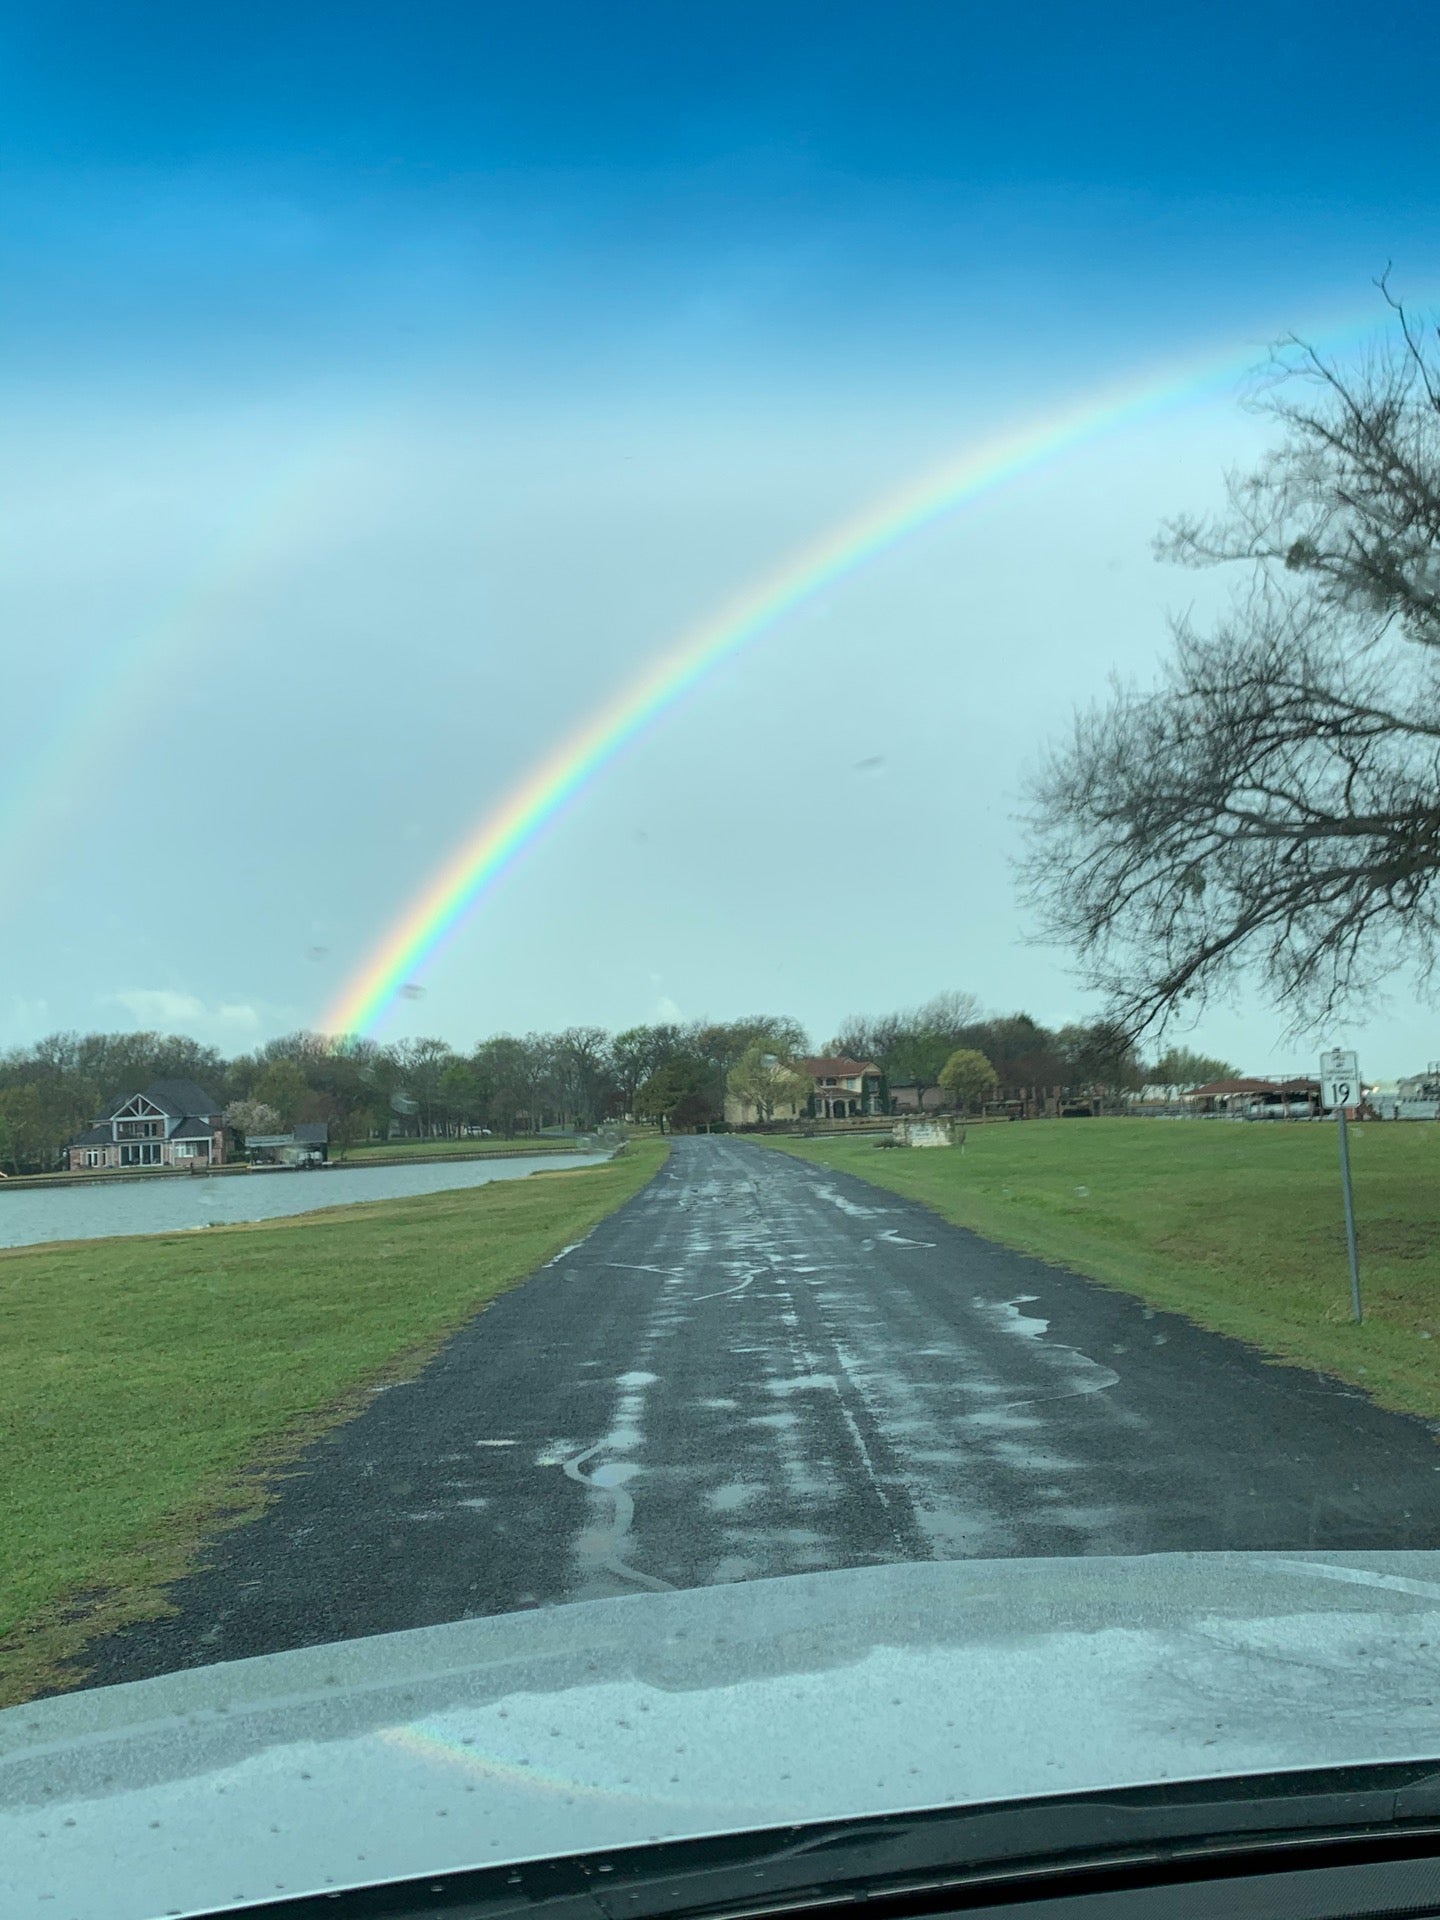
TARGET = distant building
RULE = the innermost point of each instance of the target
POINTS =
(844, 1089)
(173, 1123)
(1256, 1099)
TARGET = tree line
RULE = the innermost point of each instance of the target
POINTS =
(673, 1073)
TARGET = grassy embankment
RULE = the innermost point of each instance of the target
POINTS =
(150, 1386)
(1237, 1227)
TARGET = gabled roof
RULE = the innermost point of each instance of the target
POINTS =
(818, 1067)
(193, 1127)
(182, 1097)
(93, 1136)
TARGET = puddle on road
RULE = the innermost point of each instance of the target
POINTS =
(733, 1498)
(804, 1383)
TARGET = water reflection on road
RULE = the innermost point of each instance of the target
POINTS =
(31, 1216)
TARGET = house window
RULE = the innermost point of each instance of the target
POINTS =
(92, 1156)
(142, 1153)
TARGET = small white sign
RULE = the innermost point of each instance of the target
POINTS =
(1340, 1079)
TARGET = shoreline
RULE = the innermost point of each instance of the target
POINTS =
(112, 1176)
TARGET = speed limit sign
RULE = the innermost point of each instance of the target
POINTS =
(1339, 1089)
(1339, 1079)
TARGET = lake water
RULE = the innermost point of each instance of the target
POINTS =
(32, 1215)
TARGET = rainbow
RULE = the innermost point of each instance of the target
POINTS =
(115, 695)
(554, 783)
(464, 1754)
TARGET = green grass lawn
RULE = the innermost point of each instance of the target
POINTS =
(1239, 1227)
(149, 1387)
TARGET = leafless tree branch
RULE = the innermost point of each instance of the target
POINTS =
(1274, 802)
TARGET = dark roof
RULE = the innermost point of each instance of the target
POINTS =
(312, 1133)
(1219, 1087)
(183, 1097)
(92, 1136)
(193, 1127)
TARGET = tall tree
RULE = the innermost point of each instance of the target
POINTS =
(1271, 804)
(968, 1076)
(40, 1118)
(422, 1064)
(636, 1053)
(584, 1072)
(1100, 1057)
(282, 1087)
(681, 1092)
(766, 1081)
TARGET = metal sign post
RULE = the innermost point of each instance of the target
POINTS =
(1340, 1088)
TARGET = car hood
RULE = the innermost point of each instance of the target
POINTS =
(677, 1715)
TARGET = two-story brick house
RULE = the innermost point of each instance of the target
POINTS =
(844, 1089)
(173, 1123)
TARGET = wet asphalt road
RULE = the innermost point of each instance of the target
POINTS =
(760, 1367)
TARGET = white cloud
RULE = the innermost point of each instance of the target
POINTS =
(237, 1013)
(168, 1007)
(161, 1006)
(666, 1009)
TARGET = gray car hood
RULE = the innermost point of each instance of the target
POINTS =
(675, 1715)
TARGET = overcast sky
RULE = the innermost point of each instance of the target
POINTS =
(384, 386)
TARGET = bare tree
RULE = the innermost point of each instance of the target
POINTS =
(1274, 803)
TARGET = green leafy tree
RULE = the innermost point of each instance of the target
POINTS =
(682, 1092)
(967, 1076)
(460, 1094)
(282, 1086)
(348, 1127)
(40, 1118)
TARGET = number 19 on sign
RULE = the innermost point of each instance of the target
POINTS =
(1339, 1089)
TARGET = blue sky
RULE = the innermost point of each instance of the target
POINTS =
(579, 317)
